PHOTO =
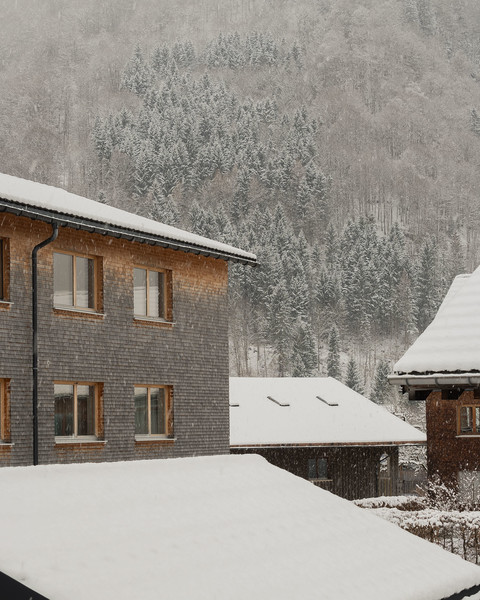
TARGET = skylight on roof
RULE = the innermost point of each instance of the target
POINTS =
(278, 402)
(327, 402)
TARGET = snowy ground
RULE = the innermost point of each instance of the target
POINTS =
(227, 528)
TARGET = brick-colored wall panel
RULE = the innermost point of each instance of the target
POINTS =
(447, 452)
(191, 355)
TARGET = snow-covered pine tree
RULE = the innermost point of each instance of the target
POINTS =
(353, 377)
(426, 16)
(381, 388)
(475, 121)
(411, 11)
(333, 358)
(332, 248)
(457, 256)
(427, 285)
(137, 76)
(164, 209)
(304, 356)
(280, 326)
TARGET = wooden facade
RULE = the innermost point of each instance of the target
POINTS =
(102, 344)
(351, 472)
(450, 450)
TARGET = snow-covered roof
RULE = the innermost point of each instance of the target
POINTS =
(450, 344)
(49, 203)
(210, 528)
(309, 411)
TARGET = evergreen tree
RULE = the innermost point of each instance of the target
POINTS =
(280, 326)
(475, 122)
(102, 197)
(164, 208)
(304, 356)
(411, 11)
(427, 285)
(457, 256)
(381, 388)
(426, 16)
(137, 76)
(331, 248)
(353, 377)
(333, 358)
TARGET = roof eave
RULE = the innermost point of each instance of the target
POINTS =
(434, 379)
(327, 444)
(92, 226)
(466, 593)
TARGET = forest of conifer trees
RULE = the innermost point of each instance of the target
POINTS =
(337, 140)
(190, 133)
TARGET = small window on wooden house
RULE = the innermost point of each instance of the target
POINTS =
(153, 411)
(4, 410)
(469, 420)
(77, 410)
(317, 468)
(150, 295)
(74, 281)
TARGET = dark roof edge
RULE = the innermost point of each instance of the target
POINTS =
(327, 445)
(436, 379)
(464, 593)
(49, 216)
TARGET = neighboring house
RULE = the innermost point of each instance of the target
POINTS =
(442, 368)
(208, 528)
(321, 430)
(113, 332)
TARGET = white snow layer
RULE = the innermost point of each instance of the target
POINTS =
(307, 419)
(451, 342)
(226, 528)
(46, 197)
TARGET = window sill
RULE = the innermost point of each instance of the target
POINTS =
(78, 312)
(5, 305)
(142, 321)
(67, 442)
(468, 435)
(6, 445)
(153, 439)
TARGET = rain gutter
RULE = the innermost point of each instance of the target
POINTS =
(38, 247)
(436, 379)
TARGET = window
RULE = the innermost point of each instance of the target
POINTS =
(150, 294)
(469, 420)
(153, 411)
(74, 281)
(4, 410)
(317, 468)
(76, 408)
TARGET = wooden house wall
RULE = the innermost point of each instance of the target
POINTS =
(113, 349)
(447, 452)
(354, 471)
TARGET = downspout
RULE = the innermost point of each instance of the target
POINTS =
(38, 247)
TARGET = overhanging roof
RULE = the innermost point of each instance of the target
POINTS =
(449, 346)
(55, 205)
